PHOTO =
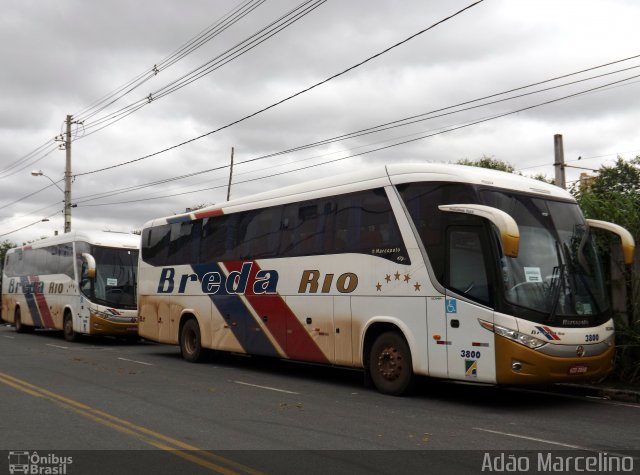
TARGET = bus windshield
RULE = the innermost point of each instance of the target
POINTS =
(557, 270)
(115, 282)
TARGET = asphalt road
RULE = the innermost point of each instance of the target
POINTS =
(118, 407)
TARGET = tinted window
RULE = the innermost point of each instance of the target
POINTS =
(360, 222)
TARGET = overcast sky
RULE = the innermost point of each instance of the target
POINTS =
(60, 57)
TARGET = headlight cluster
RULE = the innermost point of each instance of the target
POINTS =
(114, 318)
(526, 340)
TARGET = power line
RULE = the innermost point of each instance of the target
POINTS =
(231, 54)
(379, 128)
(287, 98)
(451, 129)
(226, 21)
(4, 205)
(29, 225)
(213, 30)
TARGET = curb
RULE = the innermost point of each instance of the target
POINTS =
(608, 392)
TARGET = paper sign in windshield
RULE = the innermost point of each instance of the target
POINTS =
(532, 274)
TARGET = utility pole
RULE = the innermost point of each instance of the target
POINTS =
(67, 177)
(559, 161)
(230, 175)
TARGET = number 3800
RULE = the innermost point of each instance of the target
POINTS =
(469, 354)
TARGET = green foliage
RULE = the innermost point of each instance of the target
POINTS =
(495, 164)
(614, 195)
(488, 162)
(543, 177)
(627, 364)
(4, 247)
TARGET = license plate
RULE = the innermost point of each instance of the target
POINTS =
(577, 369)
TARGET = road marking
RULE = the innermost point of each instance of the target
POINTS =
(552, 442)
(518, 436)
(58, 346)
(135, 361)
(10, 337)
(265, 387)
(175, 447)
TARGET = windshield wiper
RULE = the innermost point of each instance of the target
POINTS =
(559, 283)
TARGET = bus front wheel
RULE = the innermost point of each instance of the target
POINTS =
(190, 342)
(390, 365)
(69, 333)
(20, 327)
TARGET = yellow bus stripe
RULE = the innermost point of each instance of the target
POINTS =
(155, 439)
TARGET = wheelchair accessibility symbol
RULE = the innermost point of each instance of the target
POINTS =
(451, 305)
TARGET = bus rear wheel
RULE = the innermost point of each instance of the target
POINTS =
(20, 327)
(390, 364)
(190, 341)
(67, 327)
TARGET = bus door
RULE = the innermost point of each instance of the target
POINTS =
(470, 348)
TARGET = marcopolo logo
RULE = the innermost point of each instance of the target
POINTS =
(22, 461)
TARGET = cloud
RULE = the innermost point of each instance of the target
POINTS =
(61, 56)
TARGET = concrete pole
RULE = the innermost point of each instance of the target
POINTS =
(230, 175)
(67, 178)
(559, 161)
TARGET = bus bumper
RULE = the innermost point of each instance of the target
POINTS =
(538, 368)
(102, 326)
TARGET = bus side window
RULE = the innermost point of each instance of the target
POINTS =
(259, 233)
(299, 230)
(214, 238)
(156, 244)
(466, 266)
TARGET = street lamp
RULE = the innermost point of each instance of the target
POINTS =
(67, 202)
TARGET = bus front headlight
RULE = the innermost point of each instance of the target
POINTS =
(526, 340)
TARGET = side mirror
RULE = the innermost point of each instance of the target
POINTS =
(91, 264)
(628, 243)
(507, 227)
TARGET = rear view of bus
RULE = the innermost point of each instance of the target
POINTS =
(80, 282)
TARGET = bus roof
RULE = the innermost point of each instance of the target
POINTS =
(98, 238)
(373, 177)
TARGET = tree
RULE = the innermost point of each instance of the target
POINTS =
(4, 247)
(495, 164)
(614, 195)
(488, 162)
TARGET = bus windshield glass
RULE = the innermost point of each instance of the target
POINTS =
(557, 270)
(115, 282)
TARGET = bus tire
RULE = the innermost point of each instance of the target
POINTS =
(190, 341)
(67, 328)
(20, 327)
(390, 364)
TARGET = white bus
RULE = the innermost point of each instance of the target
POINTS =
(440, 270)
(79, 282)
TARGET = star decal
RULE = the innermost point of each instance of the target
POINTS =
(407, 277)
(417, 286)
(379, 287)
(387, 278)
(397, 275)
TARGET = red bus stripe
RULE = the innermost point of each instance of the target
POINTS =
(208, 214)
(43, 308)
(279, 319)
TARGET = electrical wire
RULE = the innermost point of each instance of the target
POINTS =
(226, 21)
(396, 144)
(222, 24)
(370, 58)
(231, 54)
(31, 224)
(378, 128)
